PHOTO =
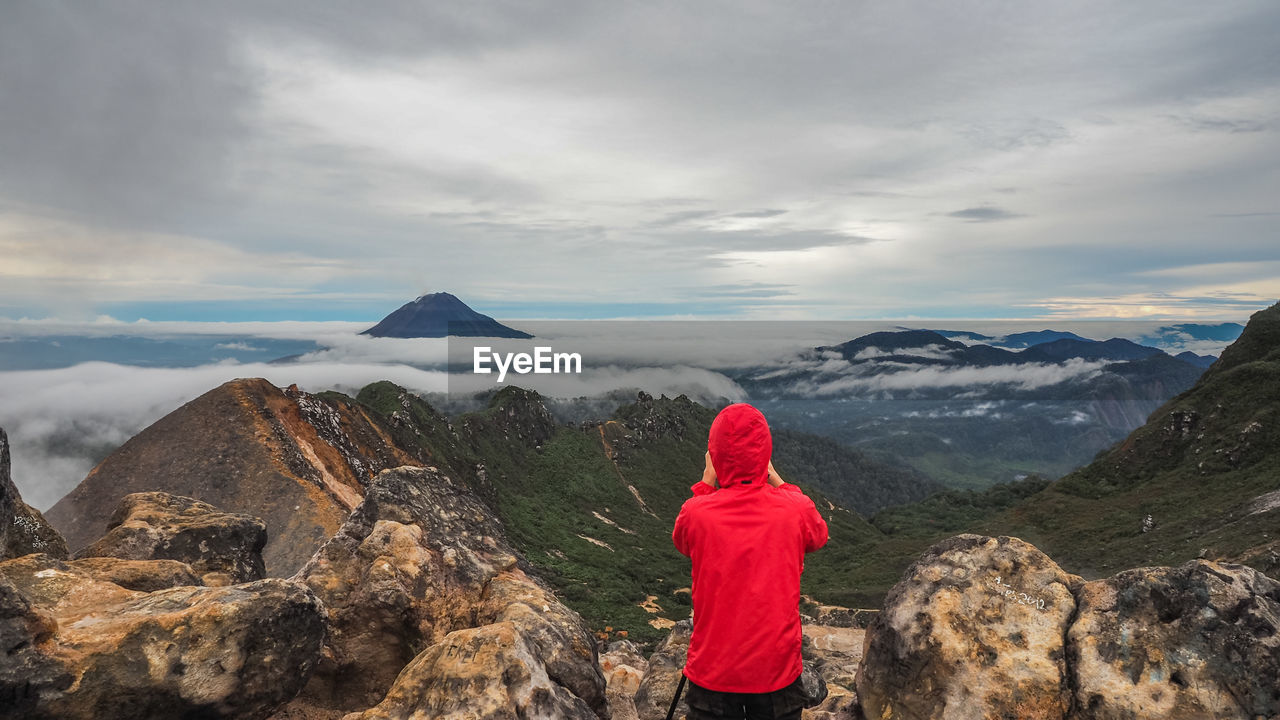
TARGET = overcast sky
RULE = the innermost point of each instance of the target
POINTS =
(331, 160)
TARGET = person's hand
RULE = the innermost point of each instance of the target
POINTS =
(709, 472)
(774, 478)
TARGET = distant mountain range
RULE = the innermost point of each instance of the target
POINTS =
(1198, 479)
(934, 347)
(440, 315)
(969, 415)
(1014, 341)
(1167, 336)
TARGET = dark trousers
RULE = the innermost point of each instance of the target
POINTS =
(784, 704)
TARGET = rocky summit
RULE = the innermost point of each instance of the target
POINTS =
(437, 315)
(297, 461)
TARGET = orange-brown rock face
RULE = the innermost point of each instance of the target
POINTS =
(297, 461)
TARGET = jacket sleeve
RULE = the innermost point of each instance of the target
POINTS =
(812, 525)
(680, 536)
(815, 528)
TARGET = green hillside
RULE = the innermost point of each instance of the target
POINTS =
(1202, 468)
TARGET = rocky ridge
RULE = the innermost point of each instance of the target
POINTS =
(23, 529)
(298, 461)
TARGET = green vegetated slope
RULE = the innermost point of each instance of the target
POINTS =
(1205, 467)
(592, 506)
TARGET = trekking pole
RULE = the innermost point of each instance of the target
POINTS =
(671, 711)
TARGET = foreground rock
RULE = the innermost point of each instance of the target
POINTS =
(990, 628)
(665, 667)
(1199, 640)
(624, 669)
(23, 530)
(834, 653)
(975, 629)
(432, 615)
(139, 575)
(75, 647)
(160, 526)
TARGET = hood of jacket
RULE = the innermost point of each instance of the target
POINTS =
(740, 446)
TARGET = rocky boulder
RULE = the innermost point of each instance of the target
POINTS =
(225, 548)
(833, 653)
(139, 575)
(418, 585)
(624, 669)
(1198, 640)
(23, 530)
(975, 629)
(663, 677)
(73, 646)
(496, 670)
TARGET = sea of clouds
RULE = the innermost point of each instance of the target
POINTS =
(62, 421)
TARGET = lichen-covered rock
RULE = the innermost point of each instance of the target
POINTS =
(74, 647)
(666, 665)
(1196, 641)
(492, 671)
(139, 575)
(23, 530)
(975, 629)
(160, 526)
(419, 571)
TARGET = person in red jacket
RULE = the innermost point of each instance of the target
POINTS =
(746, 532)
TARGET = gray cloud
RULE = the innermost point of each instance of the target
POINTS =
(680, 218)
(766, 213)
(983, 214)
(745, 290)
(122, 113)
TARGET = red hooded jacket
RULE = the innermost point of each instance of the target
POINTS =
(747, 542)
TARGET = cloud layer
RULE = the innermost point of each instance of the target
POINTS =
(814, 159)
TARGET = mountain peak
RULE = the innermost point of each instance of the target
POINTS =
(1259, 341)
(440, 314)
